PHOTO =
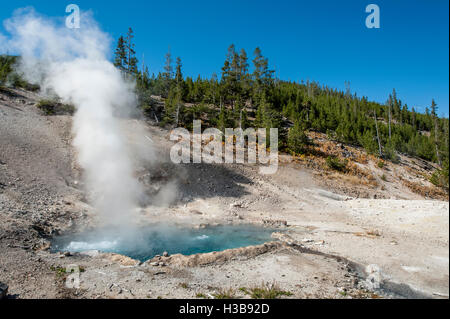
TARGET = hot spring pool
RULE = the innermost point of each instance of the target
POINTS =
(146, 242)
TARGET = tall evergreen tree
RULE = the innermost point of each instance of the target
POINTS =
(168, 72)
(243, 74)
(297, 139)
(120, 59)
(390, 104)
(261, 74)
(132, 61)
(178, 73)
(436, 129)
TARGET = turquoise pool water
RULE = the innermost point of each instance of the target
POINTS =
(144, 243)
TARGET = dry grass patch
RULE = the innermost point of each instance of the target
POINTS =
(425, 191)
(369, 234)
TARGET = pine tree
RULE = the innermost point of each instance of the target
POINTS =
(173, 106)
(179, 90)
(378, 133)
(178, 73)
(390, 104)
(260, 113)
(262, 76)
(230, 76)
(243, 74)
(413, 118)
(297, 139)
(260, 65)
(120, 59)
(222, 120)
(436, 128)
(131, 65)
(168, 73)
(395, 104)
(214, 89)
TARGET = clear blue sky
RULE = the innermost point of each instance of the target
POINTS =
(323, 40)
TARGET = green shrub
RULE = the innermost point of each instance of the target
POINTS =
(390, 153)
(18, 82)
(297, 139)
(60, 271)
(440, 176)
(368, 141)
(380, 164)
(224, 294)
(52, 107)
(336, 164)
(184, 285)
(8, 75)
(5, 68)
(147, 109)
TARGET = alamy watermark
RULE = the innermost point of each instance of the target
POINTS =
(73, 20)
(213, 146)
(373, 19)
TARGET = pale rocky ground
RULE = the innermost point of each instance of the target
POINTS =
(337, 245)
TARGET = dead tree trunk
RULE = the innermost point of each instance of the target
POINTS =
(378, 134)
(177, 114)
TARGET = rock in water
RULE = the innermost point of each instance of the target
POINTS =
(3, 290)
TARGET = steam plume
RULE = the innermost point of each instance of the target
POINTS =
(73, 64)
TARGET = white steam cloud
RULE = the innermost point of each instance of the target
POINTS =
(73, 64)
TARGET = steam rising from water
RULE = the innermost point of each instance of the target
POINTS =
(73, 64)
